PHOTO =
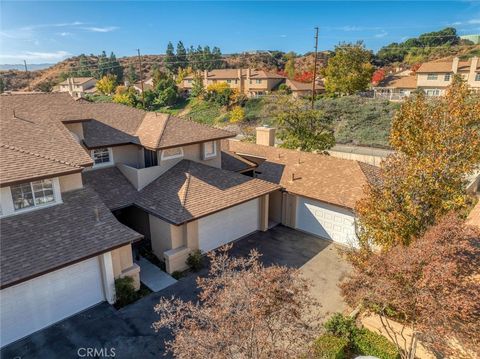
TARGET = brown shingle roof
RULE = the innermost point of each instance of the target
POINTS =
(225, 74)
(40, 241)
(445, 66)
(77, 80)
(406, 82)
(473, 218)
(192, 190)
(187, 191)
(235, 163)
(322, 177)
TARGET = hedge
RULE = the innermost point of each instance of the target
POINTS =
(367, 342)
(328, 346)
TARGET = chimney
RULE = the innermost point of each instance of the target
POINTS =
(265, 136)
(249, 73)
(70, 85)
(455, 65)
(473, 68)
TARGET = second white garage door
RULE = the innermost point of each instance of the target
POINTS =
(42, 301)
(228, 225)
(325, 220)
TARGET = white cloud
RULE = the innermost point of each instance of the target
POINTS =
(65, 33)
(100, 29)
(351, 28)
(474, 21)
(36, 56)
(381, 34)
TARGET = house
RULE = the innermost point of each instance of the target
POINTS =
(83, 185)
(77, 86)
(247, 81)
(318, 192)
(431, 77)
(304, 89)
(396, 87)
(434, 77)
(147, 85)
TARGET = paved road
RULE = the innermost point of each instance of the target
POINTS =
(128, 331)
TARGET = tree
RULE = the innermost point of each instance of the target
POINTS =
(290, 65)
(126, 96)
(166, 89)
(437, 146)
(303, 128)
(349, 70)
(220, 93)
(246, 311)
(132, 75)
(109, 66)
(237, 114)
(170, 59)
(83, 69)
(181, 56)
(106, 84)
(378, 76)
(431, 286)
(197, 86)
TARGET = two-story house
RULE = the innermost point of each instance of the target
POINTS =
(434, 77)
(82, 183)
(247, 81)
(77, 86)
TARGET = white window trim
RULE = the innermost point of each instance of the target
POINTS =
(105, 164)
(432, 77)
(212, 155)
(180, 155)
(8, 209)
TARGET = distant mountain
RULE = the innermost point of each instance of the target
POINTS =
(30, 67)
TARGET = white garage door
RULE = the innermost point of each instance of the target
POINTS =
(228, 225)
(326, 221)
(42, 301)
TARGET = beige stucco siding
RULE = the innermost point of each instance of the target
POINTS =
(122, 262)
(76, 128)
(70, 182)
(164, 236)
(128, 154)
(275, 206)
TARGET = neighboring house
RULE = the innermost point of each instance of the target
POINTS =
(147, 85)
(84, 183)
(318, 193)
(77, 86)
(434, 77)
(475, 38)
(431, 77)
(247, 81)
(304, 89)
(395, 87)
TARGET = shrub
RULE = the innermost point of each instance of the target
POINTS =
(195, 260)
(125, 291)
(177, 274)
(237, 114)
(369, 343)
(328, 346)
(341, 326)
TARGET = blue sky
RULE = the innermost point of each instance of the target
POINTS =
(50, 31)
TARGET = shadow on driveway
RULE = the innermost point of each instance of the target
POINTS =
(129, 331)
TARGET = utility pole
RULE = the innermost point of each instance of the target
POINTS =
(315, 68)
(25, 64)
(141, 76)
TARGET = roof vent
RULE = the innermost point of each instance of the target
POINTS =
(97, 214)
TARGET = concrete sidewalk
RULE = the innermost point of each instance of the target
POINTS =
(153, 277)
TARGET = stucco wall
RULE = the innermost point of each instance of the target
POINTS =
(275, 206)
(127, 154)
(70, 182)
(165, 236)
(122, 262)
(76, 128)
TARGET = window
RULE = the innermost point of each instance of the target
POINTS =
(432, 76)
(102, 157)
(171, 153)
(209, 149)
(447, 77)
(477, 77)
(258, 81)
(150, 158)
(433, 92)
(189, 81)
(32, 194)
(229, 81)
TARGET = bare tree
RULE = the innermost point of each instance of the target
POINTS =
(245, 310)
(431, 287)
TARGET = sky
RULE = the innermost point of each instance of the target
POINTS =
(47, 32)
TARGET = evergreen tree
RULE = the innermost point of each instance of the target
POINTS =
(115, 68)
(170, 59)
(181, 56)
(132, 75)
(83, 70)
(217, 55)
(207, 63)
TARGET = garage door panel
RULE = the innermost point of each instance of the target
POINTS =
(228, 225)
(327, 221)
(42, 301)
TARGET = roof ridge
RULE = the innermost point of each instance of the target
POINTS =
(187, 185)
(18, 149)
(162, 130)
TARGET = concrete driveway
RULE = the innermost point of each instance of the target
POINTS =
(128, 331)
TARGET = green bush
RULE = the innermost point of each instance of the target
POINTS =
(125, 291)
(328, 346)
(341, 326)
(369, 343)
(195, 260)
(177, 274)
